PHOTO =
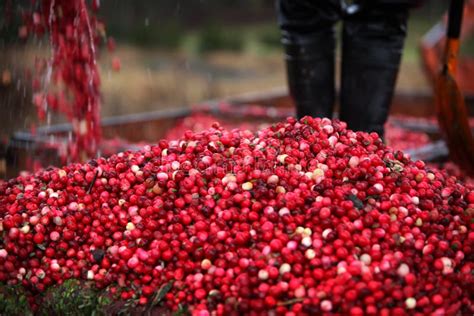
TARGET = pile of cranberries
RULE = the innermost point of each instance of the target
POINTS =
(452, 169)
(303, 217)
(202, 120)
(403, 139)
(396, 136)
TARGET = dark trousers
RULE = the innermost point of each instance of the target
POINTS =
(372, 43)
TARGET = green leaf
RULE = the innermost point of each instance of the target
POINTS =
(375, 197)
(13, 301)
(161, 293)
(182, 310)
(290, 302)
(357, 202)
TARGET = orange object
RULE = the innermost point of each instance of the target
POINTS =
(450, 106)
(432, 49)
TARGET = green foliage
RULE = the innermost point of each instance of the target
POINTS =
(165, 36)
(270, 37)
(213, 38)
(9, 22)
(182, 311)
(152, 33)
(73, 298)
(158, 297)
(13, 301)
(77, 298)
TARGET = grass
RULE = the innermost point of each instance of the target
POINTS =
(74, 298)
(13, 301)
(77, 298)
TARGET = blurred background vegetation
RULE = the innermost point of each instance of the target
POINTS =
(200, 26)
(209, 25)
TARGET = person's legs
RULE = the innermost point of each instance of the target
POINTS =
(308, 38)
(372, 47)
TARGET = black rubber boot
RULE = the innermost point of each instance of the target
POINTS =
(308, 39)
(310, 73)
(373, 41)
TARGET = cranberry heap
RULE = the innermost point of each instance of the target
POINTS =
(303, 217)
(452, 169)
(403, 139)
(397, 137)
(201, 120)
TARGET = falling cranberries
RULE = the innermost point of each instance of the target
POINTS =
(74, 32)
